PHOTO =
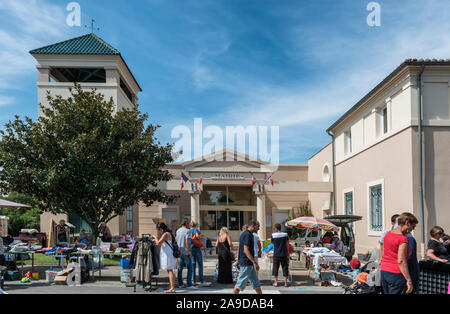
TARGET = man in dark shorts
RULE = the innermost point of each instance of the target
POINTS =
(247, 264)
(280, 256)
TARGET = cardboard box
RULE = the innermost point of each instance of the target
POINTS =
(61, 280)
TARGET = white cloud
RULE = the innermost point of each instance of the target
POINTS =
(6, 100)
(351, 64)
(202, 77)
(25, 25)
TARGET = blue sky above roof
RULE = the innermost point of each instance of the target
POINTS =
(295, 64)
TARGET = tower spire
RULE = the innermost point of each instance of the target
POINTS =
(92, 26)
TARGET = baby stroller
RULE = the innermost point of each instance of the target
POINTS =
(2, 277)
(373, 284)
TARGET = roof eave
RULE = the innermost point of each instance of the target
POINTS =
(392, 75)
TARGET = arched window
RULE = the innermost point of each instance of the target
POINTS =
(326, 173)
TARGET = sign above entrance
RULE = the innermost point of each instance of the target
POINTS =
(227, 176)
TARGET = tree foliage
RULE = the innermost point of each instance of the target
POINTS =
(303, 211)
(83, 158)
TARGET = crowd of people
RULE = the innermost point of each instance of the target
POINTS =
(188, 243)
(399, 266)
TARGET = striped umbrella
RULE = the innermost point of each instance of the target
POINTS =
(312, 223)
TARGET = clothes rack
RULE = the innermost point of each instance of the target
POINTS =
(145, 263)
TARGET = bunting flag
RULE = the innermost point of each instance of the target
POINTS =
(194, 186)
(253, 180)
(200, 180)
(184, 178)
(260, 189)
(263, 188)
(269, 179)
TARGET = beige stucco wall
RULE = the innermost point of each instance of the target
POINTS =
(321, 202)
(389, 163)
(148, 214)
(436, 174)
(364, 121)
(291, 173)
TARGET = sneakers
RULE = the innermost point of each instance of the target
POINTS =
(182, 287)
(205, 284)
(192, 288)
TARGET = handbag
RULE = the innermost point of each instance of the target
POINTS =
(289, 248)
(196, 241)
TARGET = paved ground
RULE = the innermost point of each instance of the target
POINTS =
(110, 283)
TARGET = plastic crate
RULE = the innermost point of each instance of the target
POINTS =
(12, 275)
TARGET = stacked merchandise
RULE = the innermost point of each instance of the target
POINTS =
(434, 277)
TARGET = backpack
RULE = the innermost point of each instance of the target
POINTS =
(175, 249)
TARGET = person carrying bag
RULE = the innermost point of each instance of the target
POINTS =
(196, 240)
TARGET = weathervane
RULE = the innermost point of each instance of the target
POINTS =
(92, 26)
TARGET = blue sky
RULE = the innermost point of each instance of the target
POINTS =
(296, 64)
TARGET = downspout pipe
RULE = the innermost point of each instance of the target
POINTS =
(419, 131)
(334, 172)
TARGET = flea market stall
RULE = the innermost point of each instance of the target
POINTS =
(322, 257)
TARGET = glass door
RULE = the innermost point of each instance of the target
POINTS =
(233, 220)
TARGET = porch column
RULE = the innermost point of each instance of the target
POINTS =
(195, 207)
(261, 214)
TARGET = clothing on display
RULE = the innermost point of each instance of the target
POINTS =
(144, 260)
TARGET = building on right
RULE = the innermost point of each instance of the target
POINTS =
(374, 161)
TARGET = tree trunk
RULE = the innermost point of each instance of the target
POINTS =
(95, 232)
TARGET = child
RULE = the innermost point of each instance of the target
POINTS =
(361, 283)
(355, 265)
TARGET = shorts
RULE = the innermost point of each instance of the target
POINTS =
(247, 273)
(284, 261)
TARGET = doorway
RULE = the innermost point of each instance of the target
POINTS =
(171, 217)
(280, 217)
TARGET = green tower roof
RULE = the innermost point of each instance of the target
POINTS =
(84, 45)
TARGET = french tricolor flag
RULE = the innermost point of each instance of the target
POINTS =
(261, 188)
(183, 179)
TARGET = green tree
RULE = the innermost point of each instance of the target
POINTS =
(84, 159)
(21, 218)
(303, 211)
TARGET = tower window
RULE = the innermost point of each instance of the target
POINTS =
(79, 75)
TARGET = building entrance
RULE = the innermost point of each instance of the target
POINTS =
(226, 206)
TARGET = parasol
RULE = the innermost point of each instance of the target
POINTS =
(312, 223)
(9, 204)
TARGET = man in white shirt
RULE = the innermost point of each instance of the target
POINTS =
(183, 241)
(337, 245)
(257, 246)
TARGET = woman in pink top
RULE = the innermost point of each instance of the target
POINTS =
(395, 277)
